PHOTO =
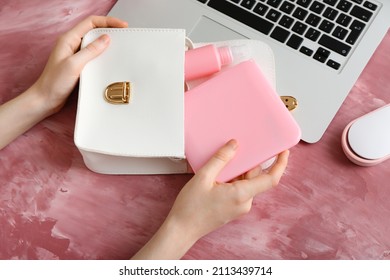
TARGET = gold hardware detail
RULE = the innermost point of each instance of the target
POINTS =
(118, 93)
(290, 102)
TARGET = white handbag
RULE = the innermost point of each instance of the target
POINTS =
(130, 115)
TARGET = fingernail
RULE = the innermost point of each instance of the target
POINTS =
(105, 38)
(233, 144)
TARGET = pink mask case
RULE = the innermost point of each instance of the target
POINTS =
(237, 103)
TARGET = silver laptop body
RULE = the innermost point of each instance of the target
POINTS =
(317, 74)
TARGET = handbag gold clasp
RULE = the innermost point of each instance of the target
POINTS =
(118, 93)
(290, 102)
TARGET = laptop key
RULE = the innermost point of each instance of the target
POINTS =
(286, 21)
(306, 51)
(344, 5)
(334, 45)
(260, 9)
(330, 2)
(312, 34)
(274, 3)
(248, 4)
(321, 55)
(326, 26)
(340, 32)
(235, 12)
(295, 41)
(356, 29)
(335, 65)
(273, 15)
(330, 13)
(313, 20)
(304, 3)
(370, 5)
(287, 7)
(280, 34)
(361, 13)
(299, 28)
(300, 13)
(344, 20)
(317, 7)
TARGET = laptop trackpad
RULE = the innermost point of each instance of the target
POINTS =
(208, 30)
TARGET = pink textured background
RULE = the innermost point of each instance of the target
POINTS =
(53, 207)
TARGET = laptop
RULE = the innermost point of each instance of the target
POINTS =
(320, 46)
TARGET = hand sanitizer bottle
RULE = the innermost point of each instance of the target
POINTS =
(207, 60)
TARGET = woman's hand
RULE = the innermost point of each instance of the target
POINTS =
(49, 93)
(66, 61)
(204, 205)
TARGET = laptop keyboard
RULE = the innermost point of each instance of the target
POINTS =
(325, 30)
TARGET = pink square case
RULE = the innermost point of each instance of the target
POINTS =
(240, 104)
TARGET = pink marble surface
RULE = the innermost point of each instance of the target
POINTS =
(53, 207)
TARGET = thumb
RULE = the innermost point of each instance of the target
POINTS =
(92, 50)
(219, 160)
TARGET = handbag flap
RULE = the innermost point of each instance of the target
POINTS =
(152, 123)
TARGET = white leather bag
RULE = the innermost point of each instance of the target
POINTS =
(130, 115)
